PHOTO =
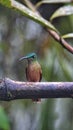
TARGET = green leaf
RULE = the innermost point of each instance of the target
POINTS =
(30, 14)
(4, 122)
(63, 11)
(7, 3)
(51, 1)
(69, 35)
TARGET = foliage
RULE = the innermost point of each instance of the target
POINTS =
(5, 2)
(4, 121)
(27, 12)
(63, 11)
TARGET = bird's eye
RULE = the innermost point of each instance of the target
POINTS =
(33, 56)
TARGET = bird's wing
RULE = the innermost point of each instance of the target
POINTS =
(27, 74)
(40, 75)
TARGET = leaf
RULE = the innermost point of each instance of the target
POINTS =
(69, 35)
(51, 1)
(63, 11)
(30, 14)
(4, 122)
(5, 2)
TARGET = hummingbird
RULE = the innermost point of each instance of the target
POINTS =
(33, 69)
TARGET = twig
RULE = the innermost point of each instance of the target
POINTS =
(61, 41)
(11, 90)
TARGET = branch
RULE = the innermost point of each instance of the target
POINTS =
(11, 90)
(61, 40)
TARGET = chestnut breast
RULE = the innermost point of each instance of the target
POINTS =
(34, 72)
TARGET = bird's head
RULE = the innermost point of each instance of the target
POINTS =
(29, 57)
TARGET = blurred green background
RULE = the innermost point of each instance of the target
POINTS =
(18, 37)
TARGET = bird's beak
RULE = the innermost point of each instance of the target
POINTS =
(22, 58)
(25, 57)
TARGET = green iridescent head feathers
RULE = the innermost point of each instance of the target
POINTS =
(29, 56)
